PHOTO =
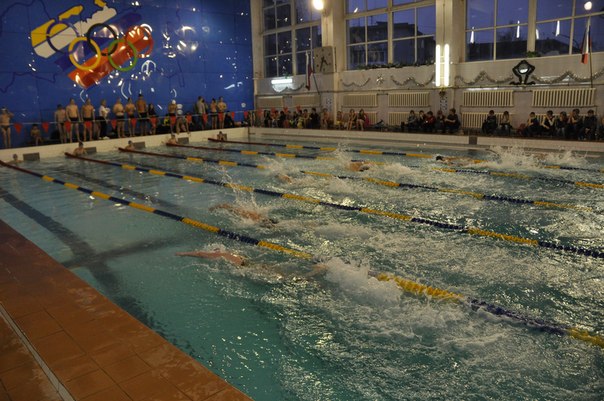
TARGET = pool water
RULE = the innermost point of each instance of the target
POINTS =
(277, 334)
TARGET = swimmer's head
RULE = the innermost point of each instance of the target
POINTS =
(364, 168)
(439, 158)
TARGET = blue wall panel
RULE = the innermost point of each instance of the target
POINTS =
(188, 48)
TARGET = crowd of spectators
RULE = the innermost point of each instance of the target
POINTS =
(571, 126)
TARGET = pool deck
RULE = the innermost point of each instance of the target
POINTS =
(60, 339)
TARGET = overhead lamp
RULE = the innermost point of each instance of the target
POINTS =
(319, 5)
(587, 6)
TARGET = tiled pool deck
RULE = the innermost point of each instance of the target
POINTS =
(51, 321)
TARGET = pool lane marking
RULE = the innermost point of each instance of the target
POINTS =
(388, 153)
(393, 215)
(253, 153)
(375, 181)
(404, 284)
(145, 208)
(477, 195)
(517, 176)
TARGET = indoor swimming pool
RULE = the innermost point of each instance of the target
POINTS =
(516, 231)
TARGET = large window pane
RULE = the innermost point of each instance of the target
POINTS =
(356, 30)
(377, 53)
(285, 65)
(404, 52)
(425, 50)
(284, 16)
(512, 11)
(553, 9)
(479, 45)
(315, 37)
(404, 24)
(426, 21)
(356, 56)
(270, 66)
(270, 45)
(301, 63)
(373, 4)
(269, 19)
(511, 42)
(305, 12)
(303, 41)
(480, 14)
(377, 27)
(553, 38)
(284, 42)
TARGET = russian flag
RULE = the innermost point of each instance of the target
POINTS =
(309, 70)
(586, 44)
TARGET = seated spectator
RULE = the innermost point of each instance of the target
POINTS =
(600, 134)
(228, 121)
(590, 126)
(314, 119)
(439, 124)
(548, 124)
(505, 126)
(361, 119)
(304, 119)
(352, 119)
(532, 127)
(575, 126)
(489, 125)
(268, 121)
(429, 122)
(561, 124)
(325, 119)
(452, 122)
(339, 122)
(36, 135)
(412, 123)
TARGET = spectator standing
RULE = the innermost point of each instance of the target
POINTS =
(152, 114)
(200, 110)
(172, 109)
(130, 110)
(141, 109)
(222, 108)
(73, 114)
(214, 113)
(103, 118)
(88, 118)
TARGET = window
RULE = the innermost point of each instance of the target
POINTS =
(404, 36)
(291, 28)
(496, 29)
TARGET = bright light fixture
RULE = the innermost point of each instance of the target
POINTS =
(447, 63)
(587, 6)
(318, 4)
(437, 66)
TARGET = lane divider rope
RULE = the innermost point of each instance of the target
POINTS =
(254, 153)
(402, 283)
(393, 215)
(477, 195)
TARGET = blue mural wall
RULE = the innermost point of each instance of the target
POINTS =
(51, 51)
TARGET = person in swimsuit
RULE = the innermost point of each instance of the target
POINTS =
(80, 150)
(88, 117)
(172, 109)
(141, 109)
(172, 140)
(15, 160)
(130, 109)
(359, 166)
(152, 114)
(216, 254)
(5, 117)
(246, 214)
(130, 146)
(60, 118)
(118, 110)
(73, 114)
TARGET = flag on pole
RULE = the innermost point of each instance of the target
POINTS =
(586, 44)
(309, 70)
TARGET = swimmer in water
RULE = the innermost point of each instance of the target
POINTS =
(80, 150)
(216, 254)
(284, 178)
(359, 166)
(246, 214)
(172, 140)
(457, 161)
(130, 146)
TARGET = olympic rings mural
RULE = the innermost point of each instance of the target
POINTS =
(82, 38)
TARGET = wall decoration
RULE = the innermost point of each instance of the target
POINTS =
(412, 80)
(348, 85)
(52, 51)
(483, 76)
(523, 71)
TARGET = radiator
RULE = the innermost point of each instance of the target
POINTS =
(488, 98)
(356, 100)
(306, 100)
(474, 120)
(269, 102)
(409, 99)
(576, 97)
(397, 117)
